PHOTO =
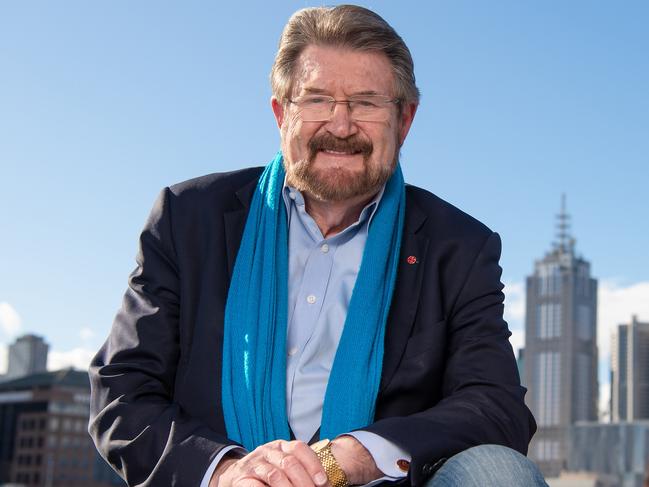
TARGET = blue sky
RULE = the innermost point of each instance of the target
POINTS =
(104, 103)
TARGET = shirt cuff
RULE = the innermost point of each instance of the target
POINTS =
(215, 463)
(390, 459)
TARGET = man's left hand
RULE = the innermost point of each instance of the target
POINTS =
(355, 460)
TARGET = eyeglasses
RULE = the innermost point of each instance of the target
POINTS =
(362, 108)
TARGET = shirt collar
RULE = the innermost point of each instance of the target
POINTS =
(293, 196)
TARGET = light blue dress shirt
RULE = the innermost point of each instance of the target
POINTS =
(322, 274)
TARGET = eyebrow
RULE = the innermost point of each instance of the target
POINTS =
(366, 92)
(320, 91)
(317, 91)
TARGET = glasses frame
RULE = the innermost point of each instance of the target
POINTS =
(332, 102)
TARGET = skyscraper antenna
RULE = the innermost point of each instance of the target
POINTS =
(565, 242)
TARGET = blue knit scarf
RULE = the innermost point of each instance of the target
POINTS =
(254, 342)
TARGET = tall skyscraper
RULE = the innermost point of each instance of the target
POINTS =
(27, 355)
(630, 372)
(560, 347)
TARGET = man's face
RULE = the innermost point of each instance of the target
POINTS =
(341, 158)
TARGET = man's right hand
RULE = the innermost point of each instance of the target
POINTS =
(276, 464)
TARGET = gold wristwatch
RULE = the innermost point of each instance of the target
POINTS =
(335, 474)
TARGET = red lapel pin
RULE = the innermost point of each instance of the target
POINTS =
(411, 259)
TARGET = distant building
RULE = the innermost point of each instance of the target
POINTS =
(630, 372)
(582, 479)
(43, 433)
(520, 363)
(27, 355)
(614, 450)
(560, 348)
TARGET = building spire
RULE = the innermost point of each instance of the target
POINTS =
(565, 242)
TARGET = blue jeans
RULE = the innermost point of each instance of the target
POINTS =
(487, 466)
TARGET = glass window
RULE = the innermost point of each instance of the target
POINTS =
(584, 391)
(584, 326)
(548, 319)
(548, 380)
(550, 279)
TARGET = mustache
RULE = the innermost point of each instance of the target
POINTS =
(352, 144)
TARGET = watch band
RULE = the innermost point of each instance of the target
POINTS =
(335, 474)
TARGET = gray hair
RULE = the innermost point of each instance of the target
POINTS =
(346, 26)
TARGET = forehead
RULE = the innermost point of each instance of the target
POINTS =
(337, 70)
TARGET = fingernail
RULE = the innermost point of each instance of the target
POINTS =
(320, 478)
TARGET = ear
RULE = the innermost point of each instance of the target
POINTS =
(278, 111)
(407, 116)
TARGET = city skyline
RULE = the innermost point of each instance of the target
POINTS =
(103, 105)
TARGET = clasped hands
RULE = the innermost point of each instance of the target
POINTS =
(294, 464)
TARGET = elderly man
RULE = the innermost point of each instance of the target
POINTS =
(318, 298)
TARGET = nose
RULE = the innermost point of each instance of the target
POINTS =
(341, 124)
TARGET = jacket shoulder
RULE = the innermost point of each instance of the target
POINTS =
(444, 219)
(221, 186)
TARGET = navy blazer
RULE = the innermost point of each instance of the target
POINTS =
(449, 378)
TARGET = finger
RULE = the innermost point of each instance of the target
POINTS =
(291, 466)
(308, 459)
(248, 482)
(271, 475)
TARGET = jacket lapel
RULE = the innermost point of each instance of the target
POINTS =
(405, 299)
(235, 222)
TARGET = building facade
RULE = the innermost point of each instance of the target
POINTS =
(560, 348)
(616, 450)
(630, 372)
(27, 355)
(43, 433)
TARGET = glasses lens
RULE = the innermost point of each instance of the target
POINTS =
(319, 108)
(315, 108)
(371, 108)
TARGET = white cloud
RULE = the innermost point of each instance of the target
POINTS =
(616, 304)
(517, 340)
(10, 321)
(515, 313)
(605, 402)
(79, 358)
(515, 304)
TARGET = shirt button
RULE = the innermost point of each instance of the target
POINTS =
(292, 351)
(310, 299)
(324, 248)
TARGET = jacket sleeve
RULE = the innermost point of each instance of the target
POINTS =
(482, 399)
(135, 423)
